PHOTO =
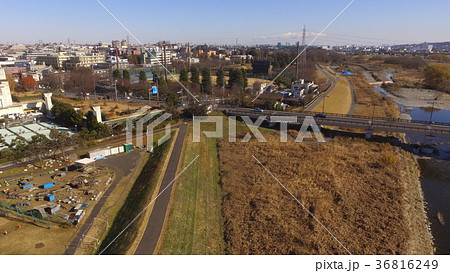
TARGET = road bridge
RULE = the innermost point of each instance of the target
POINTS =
(369, 124)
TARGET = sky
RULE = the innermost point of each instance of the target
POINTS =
(221, 22)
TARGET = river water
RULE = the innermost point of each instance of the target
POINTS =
(436, 190)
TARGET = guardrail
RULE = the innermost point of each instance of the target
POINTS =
(273, 112)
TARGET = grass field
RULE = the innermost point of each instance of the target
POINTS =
(194, 222)
(338, 101)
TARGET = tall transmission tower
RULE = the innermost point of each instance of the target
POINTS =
(303, 65)
(165, 61)
(189, 57)
(297, 62)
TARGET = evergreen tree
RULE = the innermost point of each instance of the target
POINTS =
(206, 81)
(117, 74)
(220, 80)
(236, 78)
(126, 74)
(142, 76)
(195, 75)
(244, 78)
(184, 75)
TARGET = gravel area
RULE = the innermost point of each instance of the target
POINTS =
(415, 97)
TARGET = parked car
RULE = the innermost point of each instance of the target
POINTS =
(320, 115)
(59, 175)
(257, 109)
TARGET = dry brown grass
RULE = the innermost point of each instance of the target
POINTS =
(408, 77)
(33, 239)
(109, 108)
(366, 98)
(338, 101)
(353, 187)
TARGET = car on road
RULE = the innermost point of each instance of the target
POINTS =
(257, 109)
(320, 115)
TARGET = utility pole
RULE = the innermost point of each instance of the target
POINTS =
(117, 58)
(304, 48)
(323, 104)
(296, 61)
(115, 87)
(432, 110)
(157, 93)
(189, 58)
(165, 61)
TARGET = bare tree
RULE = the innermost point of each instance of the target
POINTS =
(53, 81)
(82, 80)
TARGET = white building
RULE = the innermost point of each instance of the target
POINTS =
(6, 104)
(259, 87)
(5, 93)
(300, 88)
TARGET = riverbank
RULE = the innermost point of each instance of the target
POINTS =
(416, 97)
(414, 207)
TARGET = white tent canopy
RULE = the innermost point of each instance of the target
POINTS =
(84, 161)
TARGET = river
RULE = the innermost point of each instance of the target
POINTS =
(436, 189)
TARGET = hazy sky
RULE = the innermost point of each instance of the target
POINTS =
(221, 22)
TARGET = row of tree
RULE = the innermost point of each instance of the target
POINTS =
(236, 77)
(39, 146)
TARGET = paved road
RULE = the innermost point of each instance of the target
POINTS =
(156, 221)
(122, 165)
(352, 90)
(323, 95)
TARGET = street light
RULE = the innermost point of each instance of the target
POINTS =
(323, 104)
(115, 87)
(373, 113)
(432, 109)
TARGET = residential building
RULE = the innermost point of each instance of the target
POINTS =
(56, 60)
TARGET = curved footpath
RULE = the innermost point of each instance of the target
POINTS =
(154, 226)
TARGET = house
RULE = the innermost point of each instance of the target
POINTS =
(259, 87)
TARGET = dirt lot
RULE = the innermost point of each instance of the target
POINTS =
(32, 239)
(48, 237)
(354, 188)
(109, 108)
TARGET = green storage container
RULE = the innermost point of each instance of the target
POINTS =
(128, 147)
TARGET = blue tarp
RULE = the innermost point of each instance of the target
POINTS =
(50, 197)
(49, 185)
